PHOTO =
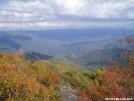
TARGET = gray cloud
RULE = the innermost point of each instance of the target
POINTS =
(71, 9)
(67, 10)
(24, 0)
(25, 11)
(94, 10)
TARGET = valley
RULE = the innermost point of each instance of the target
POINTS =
(69, 66)
(66, 50)
(89, 48)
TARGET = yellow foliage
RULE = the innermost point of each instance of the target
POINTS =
(19, 83)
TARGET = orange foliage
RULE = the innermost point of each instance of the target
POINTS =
(124, 74)
(15, 79)
(24, 81)
(84, 96)
(18, 82)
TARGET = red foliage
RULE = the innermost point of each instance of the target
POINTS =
(84, 96)
(53, 77)
(124, 74)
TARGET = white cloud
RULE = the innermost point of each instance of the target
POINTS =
(30, 24)
(130, 14)
(63, 24)
(46, 24)
(5, 13)
(93, 9)
(55, 9)
(41, 24)
(43, 11)
(69, 6)
(2, 25)
(25, 11)
(12, 25)
(24, 0)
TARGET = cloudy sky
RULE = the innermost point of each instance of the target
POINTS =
(53, 14)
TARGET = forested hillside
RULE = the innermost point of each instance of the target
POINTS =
(60, 80)
(99, 58)
(63, 42)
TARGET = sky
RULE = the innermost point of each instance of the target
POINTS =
(62, 14)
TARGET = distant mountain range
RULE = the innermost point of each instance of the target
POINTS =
(68, 43)
(74, 34)
(63, 42)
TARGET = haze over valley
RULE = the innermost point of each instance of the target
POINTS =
(67, 43)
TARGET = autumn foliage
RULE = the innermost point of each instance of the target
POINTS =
(21, 80)
(18, 82)
(116, 82)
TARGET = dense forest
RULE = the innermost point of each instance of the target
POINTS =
(59, 80)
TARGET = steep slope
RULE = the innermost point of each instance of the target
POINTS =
(49, 80)
(98, 58)
(10, 42)
(62, 65)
